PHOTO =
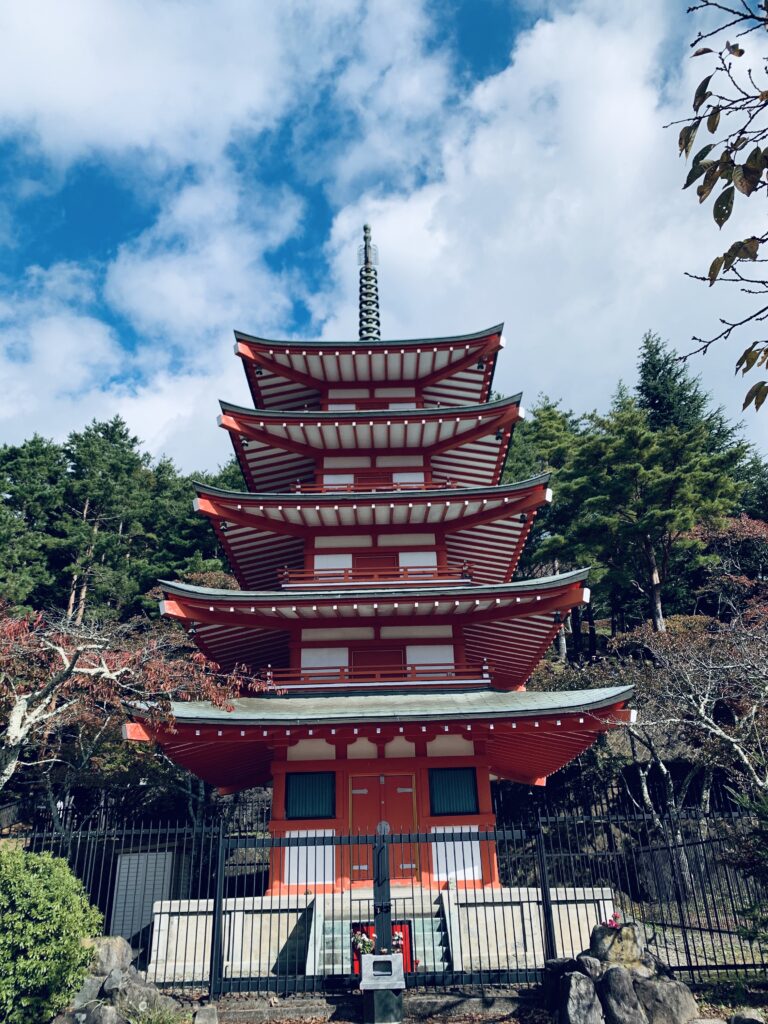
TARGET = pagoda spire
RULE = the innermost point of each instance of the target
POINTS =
(370, 322)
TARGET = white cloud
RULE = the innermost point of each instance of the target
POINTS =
(172, 78)
(548, 195)
(559, 210)
(200, 270)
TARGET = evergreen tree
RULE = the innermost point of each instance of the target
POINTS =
(673, 397)
(636, 493)
(33, 479)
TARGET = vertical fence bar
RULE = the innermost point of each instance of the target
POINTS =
(217, 923)
(550, 940)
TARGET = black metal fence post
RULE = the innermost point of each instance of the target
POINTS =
(382, 901)
(217, 924)
(548, 919)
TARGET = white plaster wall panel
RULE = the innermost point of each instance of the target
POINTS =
(456, 859)
(311, 750)
(341, 633)
(406, 540)
(361, 748)
(450, 745)
(338, 479)
(324, 657)
(335, 560)
(400, 747)
(395, 392)
(430, 654)
(305, 865)
(417, 558)
(422, 632)
(398, 461)
(346, 462)
(350, 541)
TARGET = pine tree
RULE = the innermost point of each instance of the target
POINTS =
(636, 493)
(33, 477)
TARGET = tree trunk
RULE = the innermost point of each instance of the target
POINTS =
(84, 586)
(577, 639)
(76, 576)
(657, 613)
(12, 741)
(562, 648)
(71, 599)
(592, 632)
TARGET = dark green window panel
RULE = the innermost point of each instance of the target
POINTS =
(310, 795)
(452, 791)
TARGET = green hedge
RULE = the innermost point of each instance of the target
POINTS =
(44, 915)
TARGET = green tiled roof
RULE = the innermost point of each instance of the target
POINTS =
(399, 707)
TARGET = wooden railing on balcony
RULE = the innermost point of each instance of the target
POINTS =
(448, 674)
(373, 482)
(424, 574)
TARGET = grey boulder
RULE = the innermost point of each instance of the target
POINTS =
(207, 1015)
(89, 992)
(590, 966)
(135, 997)
(618, 998)
(622, 945)
(110, 952)
(666, 1001)
(113, 981)
(105, 1014)
(578, 1001)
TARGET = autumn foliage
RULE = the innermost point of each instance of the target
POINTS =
(55, 676)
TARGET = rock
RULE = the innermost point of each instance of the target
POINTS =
(622, 945)
(578, 1001)
(590, 966)
(666, 1001)
(109, 952)
(618, 998)
(113, 981)
(553, 974)
(105, 1014)
(89, 992)
(746, 1017)
(207, 1015)
(136, 996)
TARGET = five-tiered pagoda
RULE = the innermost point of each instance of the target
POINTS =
(376, 549)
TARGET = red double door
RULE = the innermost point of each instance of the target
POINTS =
(383, 803)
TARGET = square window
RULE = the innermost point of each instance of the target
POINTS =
(310, 795)
(452, 791)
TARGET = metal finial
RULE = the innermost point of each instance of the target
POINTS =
(368, 257)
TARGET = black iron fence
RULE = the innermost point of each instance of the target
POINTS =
(238, 905)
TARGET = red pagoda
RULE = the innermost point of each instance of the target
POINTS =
(376, 549)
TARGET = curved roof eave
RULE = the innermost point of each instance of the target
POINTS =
(369, 342)
(491, 704)
(369, 414)
(488, 589)
(315, 498)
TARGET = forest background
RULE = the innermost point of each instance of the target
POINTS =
(660, 495)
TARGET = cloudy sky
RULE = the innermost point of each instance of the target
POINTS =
(174, 169)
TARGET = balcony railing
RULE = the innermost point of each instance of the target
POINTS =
(372, 482)
(422, 574)
(442, 674)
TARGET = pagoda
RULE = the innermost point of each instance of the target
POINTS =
(375, 549)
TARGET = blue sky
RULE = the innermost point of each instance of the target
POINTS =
(172, 171)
